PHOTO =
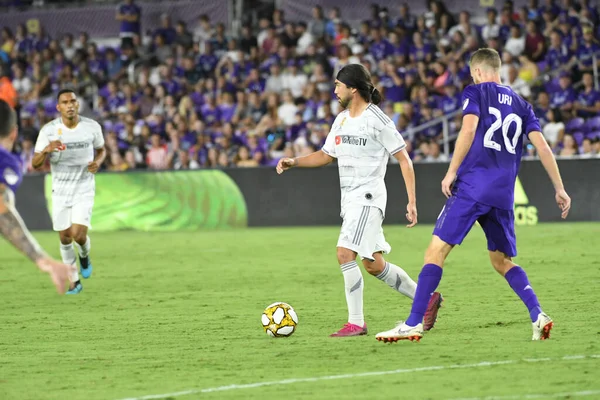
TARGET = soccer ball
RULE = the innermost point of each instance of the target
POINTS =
(279, 320)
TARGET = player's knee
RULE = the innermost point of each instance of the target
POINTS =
(79, 237)
(374, 267)
(65, 237)
(345, 256)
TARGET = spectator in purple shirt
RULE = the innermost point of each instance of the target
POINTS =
(450, 102)
(564, 97)
(586, 50)
(588, 101)
(420, 51)
(166, 29)
(96, 64)
(254, 83)
(558, 53)
(406, 19)
(380, 47)
(542, 107)
(115, 99)
(393, 84)
(210, 112)
(226, 107)
(129, 15)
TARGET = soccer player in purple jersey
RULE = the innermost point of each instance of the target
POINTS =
(11, 225)
(480, 185)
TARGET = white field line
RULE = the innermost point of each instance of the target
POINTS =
(375, 373)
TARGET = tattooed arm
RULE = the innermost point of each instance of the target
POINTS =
(13, 228)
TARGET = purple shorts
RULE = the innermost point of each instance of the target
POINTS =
(460, 213)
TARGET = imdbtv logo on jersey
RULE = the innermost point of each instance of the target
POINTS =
(355, 141)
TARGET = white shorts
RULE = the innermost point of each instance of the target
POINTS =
(362, 231)
(78, 211)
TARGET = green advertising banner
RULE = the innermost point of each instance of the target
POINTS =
(165, 201)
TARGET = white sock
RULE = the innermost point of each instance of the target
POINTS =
(67, 252)
(84, 250)
(398, 279)
(353, 282)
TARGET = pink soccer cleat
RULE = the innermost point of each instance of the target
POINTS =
(350, 330)
(432, 310)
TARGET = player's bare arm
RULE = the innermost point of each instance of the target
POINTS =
(40, 158)
(94, 166)
(313, 160)
(408, 173)
(549, 162)
(13, 229)
(463, 145)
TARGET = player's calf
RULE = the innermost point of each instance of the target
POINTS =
(437, 252)
(392, 275)
(353, 286)
(501, 262)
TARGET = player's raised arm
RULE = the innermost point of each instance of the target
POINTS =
(549, 162)
(313, 160)
(317, 159)
(43, 147)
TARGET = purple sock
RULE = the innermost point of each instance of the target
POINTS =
(429, 279)
(517, 279)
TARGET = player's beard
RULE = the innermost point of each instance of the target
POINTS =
(345, 102)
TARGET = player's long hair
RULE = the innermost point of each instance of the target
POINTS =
(356, 76)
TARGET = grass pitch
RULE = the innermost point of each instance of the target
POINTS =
(170, 312)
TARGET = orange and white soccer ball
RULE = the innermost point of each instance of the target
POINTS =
(279, 320)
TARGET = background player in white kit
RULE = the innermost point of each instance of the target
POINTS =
(362, 138)
(70, 141)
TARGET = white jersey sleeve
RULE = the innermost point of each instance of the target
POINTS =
(389, 137)
(98, 142)
(42, 140)
(329, 146)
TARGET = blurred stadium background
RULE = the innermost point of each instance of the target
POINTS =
(226, 88)
(197, 84)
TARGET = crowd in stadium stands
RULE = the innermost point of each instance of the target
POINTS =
(199, 98)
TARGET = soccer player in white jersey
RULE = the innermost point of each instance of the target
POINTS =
(362, 138)
(12, 227)
(75, 146)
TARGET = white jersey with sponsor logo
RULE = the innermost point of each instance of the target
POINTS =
(70, 177)
(362, 146)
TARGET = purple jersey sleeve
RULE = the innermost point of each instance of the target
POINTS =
(10, 171)
(470, 101)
